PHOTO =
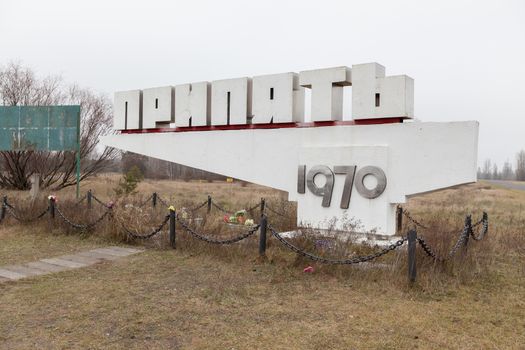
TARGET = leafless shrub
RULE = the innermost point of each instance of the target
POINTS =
(137, 214)
(20, 86)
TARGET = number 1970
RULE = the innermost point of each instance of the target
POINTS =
(351, 177)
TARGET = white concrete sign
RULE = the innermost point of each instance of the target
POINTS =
(336, 170)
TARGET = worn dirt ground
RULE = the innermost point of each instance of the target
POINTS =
(198, 297)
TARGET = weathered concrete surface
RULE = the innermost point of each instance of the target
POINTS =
(92, 254)
(11, 275)
(24, 270)
(64, 262)
(49, 268)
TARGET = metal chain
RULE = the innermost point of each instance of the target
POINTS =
(199, 206)
(161, 201)
(428, 250)
(82, 226)
(483, 232)
(485, 221)
(11, 210)
(149, 235)
(81, 199)
(218, 207)
(100, 202)
(460, 242)
(467, 231)
(276, 212)
(410, 218)
(355, 260)
(217, 241)
(146, 201)
(258, 205)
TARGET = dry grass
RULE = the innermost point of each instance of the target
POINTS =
(202, 296)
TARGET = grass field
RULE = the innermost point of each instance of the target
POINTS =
(202, 297)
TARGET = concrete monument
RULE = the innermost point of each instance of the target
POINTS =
(254, 129)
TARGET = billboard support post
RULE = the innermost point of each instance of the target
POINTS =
(78, 156)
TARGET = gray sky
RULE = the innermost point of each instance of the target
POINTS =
(467, 57)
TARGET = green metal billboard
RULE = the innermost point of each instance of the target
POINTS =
(42, 128)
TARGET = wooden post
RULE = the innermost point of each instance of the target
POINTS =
(209, 204)
(262, 235)
(3, 209)
(52, 207)
(399, 220)
(172, 228)
(154, 199)
(263, 205)
(468, 230)
(89, 199)
(412, 240)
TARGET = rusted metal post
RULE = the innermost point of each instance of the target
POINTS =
(399, 220)
(412, 240)
(467, 232)
(89, 199)
(3, 209)
(154, 199)
(52, 204)
(209, 204)
(262, 235)
(172, 227)
(263, 206)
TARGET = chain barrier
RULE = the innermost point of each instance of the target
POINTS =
(162, 201)
(431, 253)
(197, 235)
(410, 218)
(149, 235)
(256, 206)
(81, 199)
(462, 239)
(199, 206)
(101, 202)
(218, 207)
(468, 231)
(354, 260)
(484, 221)
(428, 250)
(277, 212)
(11, 210)
(146, 201)
(82, 226)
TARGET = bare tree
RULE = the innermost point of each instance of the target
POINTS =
(507, 173)
(486, 171)
(495, 174)
(19, 86)
(520, 165)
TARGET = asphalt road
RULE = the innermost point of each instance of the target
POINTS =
(513, 185)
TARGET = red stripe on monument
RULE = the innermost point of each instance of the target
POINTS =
(268, 126)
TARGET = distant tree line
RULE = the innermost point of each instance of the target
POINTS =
(158, 169)
(490, 171)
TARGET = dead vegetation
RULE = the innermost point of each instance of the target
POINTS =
(209, 296)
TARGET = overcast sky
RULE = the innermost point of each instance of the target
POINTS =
(467, 57)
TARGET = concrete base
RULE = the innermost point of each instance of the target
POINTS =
(416, 157)
(370, 239)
